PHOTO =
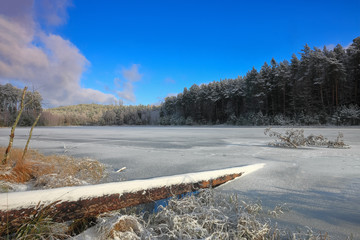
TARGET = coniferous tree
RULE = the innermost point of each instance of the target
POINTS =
(317, 88)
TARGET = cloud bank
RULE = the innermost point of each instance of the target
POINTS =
(30, 55)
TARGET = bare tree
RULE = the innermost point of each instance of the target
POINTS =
(12, 134)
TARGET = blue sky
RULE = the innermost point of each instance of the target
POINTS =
(143, 51)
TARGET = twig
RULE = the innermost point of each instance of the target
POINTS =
(121, 169)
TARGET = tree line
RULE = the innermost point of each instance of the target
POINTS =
(82, 114)
(321, 87)
(97, 114)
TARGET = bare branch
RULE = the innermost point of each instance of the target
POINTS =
(30, 135)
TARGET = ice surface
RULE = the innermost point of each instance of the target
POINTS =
(320, 185)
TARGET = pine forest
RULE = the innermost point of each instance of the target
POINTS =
(317, 86)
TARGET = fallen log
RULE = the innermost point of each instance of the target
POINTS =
(71, 203)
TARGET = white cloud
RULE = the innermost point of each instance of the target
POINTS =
(48, 62)
(126, 83)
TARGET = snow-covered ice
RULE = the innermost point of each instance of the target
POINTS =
(320, 185)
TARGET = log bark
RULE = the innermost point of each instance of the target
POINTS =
(67, 204)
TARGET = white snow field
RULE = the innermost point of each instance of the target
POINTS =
(321, 186)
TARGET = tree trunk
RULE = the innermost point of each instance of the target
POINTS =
(333, 95)
(284, 110)
(337, 92)
(12, 134)
(356, 91)
(30, 135)
(322, 97)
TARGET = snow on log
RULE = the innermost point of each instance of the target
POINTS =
(87, 201)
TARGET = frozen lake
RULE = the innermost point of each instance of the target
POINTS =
(320, 185)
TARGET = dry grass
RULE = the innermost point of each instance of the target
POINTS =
(16, 170)
(204, 216)
(50, 171)
(39, 225)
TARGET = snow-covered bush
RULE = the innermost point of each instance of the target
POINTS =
(251, 117)
(180, 121)
(173, 120)
(291, 139)
(242, 121)
(294, 138)
(308, 119)
(281, 120)
(261, 119)
(347, 115)
(165, 120)
(232, 119)
(189, 121)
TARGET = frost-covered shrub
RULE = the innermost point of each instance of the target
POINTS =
(232, 119)
(204, 216)
(335, 118)
(189, 121)
(248, 119)
(338, 142)
(120, 227)
(308, 119)
(253, 119)
(242, 121)
(323, 117)
(180, 121)
(251, 116)
(281, 120)
(347, 115)
(261, 119)
(165, 120)
(294, 138)
(319, 140)
(173, 120)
